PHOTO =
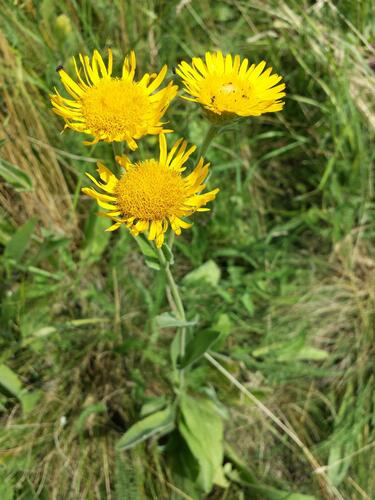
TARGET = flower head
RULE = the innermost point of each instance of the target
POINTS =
(152, 194)
(113, 109)
(229, 88)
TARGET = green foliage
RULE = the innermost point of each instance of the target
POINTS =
(96, 238)
(90, 410)
(208, 273)
(19, 242)
(197, 346)
(11, 385)
(15, 177)
(280, 272)
(126, 479)
(167, 320)
(6, 491)
(149, 253)
(9, 381)
(202, 428)
(155, 424)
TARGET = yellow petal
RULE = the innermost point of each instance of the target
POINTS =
(99, 196)
(114, 226)
(158, 80)
(163, 149)
(71, 86)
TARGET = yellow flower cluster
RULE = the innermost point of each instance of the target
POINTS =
(152, 195)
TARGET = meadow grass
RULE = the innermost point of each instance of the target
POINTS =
(290, 273)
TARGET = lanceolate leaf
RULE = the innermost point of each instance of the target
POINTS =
(11, 385)
(9, 381)
(199, 344)
(156, 423)
(223, 326)
(145, 247)
(19, 242)
(150, 255)
(202, 429)
(168, 254)
(167, 320)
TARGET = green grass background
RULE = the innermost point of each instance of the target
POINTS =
(290, 241)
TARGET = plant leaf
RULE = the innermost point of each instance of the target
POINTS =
(198, 345)
(11, 385)
(29, 400)
(183, 465)
(156, 423)
(146, 248)
(224, 326)
(10, 382)
(202, 429)
(209, 272)
(97, 238)
(309, 353)
(150, 255)
(168, 254)
(19, 242)
(153, 405)
(167, 320)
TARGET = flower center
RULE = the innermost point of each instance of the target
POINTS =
(150, 191)
(114, 107)
(229, 95)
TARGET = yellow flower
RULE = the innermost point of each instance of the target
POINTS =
(229, 88)
(152, 194)
(113, 109)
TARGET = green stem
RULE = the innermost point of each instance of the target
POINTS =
(118, 150)
(210, 135)
(171, 239)
(179, 306)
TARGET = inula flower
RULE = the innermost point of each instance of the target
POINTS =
(113, 109)
(229, 88)
(152, 195)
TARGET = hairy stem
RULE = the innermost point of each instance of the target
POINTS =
(210, 135)
(178, 303)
